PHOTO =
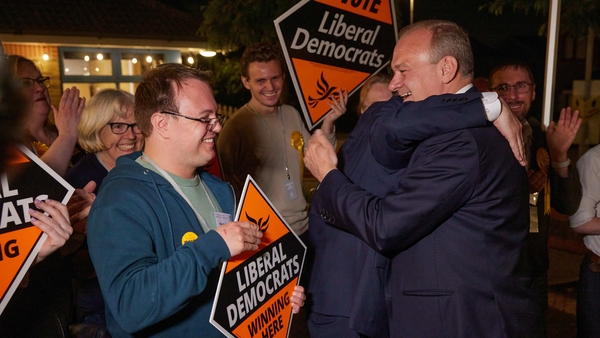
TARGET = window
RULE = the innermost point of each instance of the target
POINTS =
(95, 69)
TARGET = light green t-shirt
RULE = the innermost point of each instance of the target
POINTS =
(197, 192)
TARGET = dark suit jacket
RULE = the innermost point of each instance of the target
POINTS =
(348, 277)
(459, 220)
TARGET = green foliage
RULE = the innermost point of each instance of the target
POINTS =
(576, 15)
(231, 24)
(227, 86)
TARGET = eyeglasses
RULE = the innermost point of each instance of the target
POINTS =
(28, 82)
(211, 122)
(120, 128)
(521, 88)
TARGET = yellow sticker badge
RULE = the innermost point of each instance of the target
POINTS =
(188, 237)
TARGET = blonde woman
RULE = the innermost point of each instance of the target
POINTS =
(374, 90)
(107, 130)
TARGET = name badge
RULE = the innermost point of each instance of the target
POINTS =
(533, 219)
(290, 190)
(222, 218)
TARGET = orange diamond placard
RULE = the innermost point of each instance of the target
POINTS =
(331, 45)
(254, 294)
(26, 178)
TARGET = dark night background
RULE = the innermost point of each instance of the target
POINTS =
(493, 38)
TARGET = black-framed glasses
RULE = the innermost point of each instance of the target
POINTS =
(120, 128)
(521, 88)
(211, 122)
(28, 82)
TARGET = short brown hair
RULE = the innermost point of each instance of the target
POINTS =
(261, 52)
(101, 108)
(156, 92)
(448, 39)
(514, 64)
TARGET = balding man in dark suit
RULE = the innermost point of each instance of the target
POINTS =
(456, 222)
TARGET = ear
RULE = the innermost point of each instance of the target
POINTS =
(160, 125)
(245, 82)
(533, 92)
(449, 68)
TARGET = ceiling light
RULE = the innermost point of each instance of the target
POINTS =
(208, 53)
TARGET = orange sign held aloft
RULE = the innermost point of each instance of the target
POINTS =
(335, 44)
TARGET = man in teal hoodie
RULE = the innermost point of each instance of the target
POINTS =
(160, 227)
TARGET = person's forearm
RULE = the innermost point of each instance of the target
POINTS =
(327, 126)
(560, 157)
(592, 227)
(394, 222)
(59, 154)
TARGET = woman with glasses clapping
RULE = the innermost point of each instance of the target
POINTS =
(53, 143)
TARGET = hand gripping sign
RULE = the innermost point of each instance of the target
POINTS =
(26, 178)
(254, 294)
(335, 44)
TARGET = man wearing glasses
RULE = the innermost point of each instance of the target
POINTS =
(548, 168)
(160, 227)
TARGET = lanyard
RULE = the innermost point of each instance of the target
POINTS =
(178, 189)
(282, 154)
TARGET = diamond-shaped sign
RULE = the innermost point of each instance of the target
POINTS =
(254, 294)
(26, 178)
(333, 44)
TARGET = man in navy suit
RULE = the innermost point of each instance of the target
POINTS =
(455, 222)
(347, 277)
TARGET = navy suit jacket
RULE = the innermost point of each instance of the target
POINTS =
(456, 225)
(348, 277)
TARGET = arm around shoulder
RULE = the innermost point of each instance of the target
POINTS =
(417, 207)
(403, 124)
